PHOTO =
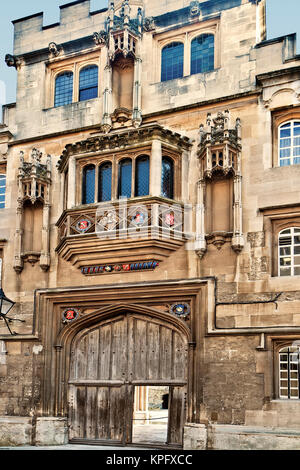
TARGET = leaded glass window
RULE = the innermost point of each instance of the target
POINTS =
(2, 191)
(289, 373)
(63, 89)
(125, 174)
(167, 178)
(142, 176)
(289, 252)
(104, 187)
(88, 83)
(289, 143)
(88, 184)
(203, 53)
(172, 61)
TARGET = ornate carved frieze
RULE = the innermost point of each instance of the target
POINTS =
(123, 139)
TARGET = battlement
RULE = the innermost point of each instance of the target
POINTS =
(76, 21)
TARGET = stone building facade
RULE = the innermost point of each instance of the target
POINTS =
(150, 225)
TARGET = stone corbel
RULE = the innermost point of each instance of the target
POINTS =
(54, 49)
(148, 24)
(5, 137)
(100, 38)
(195, 10)
(13, 61)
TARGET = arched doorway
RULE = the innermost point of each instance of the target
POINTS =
(110, 359)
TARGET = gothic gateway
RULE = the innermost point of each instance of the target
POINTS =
(150, 229)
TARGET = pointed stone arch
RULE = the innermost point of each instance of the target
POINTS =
(103, 355)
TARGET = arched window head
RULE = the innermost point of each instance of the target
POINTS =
(289, 252)
(167, 178)
(172, 61)
(289, 143)
(2, 190)
(142, 176)
(88, 83)
(88, 184)
(289, 372)
(125, 174)
(104, 186)
(203, 53)
(63, 89)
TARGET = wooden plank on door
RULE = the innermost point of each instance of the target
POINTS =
(91, 413)
(176, 415)
(103, 421)
(117, 400)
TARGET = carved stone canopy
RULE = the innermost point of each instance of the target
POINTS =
(34, 177)
(218, 131)
(220, 146)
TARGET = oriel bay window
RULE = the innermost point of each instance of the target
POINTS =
(128, 177)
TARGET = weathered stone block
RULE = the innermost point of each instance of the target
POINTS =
(195, 437)
(15, 431)
(51, 432)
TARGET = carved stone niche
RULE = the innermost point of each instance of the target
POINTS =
(219, 209)
(33, 212)
(121, 37)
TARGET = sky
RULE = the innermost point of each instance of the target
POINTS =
(282, 18)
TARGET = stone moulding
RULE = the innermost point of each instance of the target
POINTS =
(123, 139)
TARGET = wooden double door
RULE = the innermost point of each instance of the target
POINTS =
(108, 361)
